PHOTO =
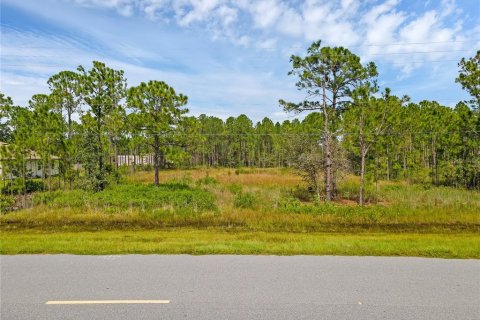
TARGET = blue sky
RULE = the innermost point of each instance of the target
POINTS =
(232, 57)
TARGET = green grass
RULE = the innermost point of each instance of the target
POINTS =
(197, 242)
(169, 196)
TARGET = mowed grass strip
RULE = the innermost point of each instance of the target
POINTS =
(200, 242)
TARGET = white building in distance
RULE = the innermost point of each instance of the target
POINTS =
(33, 165)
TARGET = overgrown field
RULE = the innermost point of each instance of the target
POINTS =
(271, 208)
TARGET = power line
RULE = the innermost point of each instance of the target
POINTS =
(300, 46)
(319, 133)
(399, 43)
(62, 66)
(415, 43)
(334, 55)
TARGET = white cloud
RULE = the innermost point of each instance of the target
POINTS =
(347, 23)
(29, 59)
(265, 13)
(448, 7)
(267, 44)
(377, 30)
(291, 23)
(410, 40)
(123, 7)
(194, 11)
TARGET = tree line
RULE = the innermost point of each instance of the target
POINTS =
(90, 116)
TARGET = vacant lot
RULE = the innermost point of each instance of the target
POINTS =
(262, 211)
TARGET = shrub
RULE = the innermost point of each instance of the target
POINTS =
(245, 200)
(235, 188)
(172, 196)
(206, 181)
(6, 203)
(288, 204)
(16, 186)
(70, 198)
(302, 193)
(350, 190)
(242, 170)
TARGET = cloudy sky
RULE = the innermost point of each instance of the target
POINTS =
(232, 57)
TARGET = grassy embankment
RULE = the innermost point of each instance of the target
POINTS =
(257, 211)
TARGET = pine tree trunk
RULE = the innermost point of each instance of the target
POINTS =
(115, 151)
(434, 164)
(49, 176)
(100, 146)
(44, 177)
(155, 159)
(24, 174)
(328, 152)
(363, 152)
(388, 165)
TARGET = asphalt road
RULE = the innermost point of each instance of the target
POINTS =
(239, 287)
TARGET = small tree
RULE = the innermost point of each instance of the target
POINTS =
(310, 165)
(158, 107)
(365, 120)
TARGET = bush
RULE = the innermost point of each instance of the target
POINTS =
(245, 200)
(242, 170)
(235, 188)
(350, 190)
(302, 193)
(16, 186)
(171, 196)
(6, 203)
(70, 198)
(288, 204)
(206, 181)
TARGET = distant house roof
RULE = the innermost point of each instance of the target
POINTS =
(33, 155)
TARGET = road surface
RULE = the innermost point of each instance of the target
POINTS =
(237, 287)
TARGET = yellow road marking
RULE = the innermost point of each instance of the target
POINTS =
(109, 302)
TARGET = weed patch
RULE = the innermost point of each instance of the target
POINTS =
(175, 195)
(245, 200)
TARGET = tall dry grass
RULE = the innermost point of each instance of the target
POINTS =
(253, 199)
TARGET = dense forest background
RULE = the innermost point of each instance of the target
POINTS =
(89, 117)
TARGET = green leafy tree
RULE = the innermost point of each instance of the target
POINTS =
(47, 133)
(116, 127)
(159, 109)
(65, 96)
(65, 88)
(365, 121)
(265, 136)
(469, 77)
(102, 89)
(241, 140)
(465, 163)
(21, 120)
(6, 104)
(328, 74)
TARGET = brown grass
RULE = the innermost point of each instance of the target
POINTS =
(269, 177)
